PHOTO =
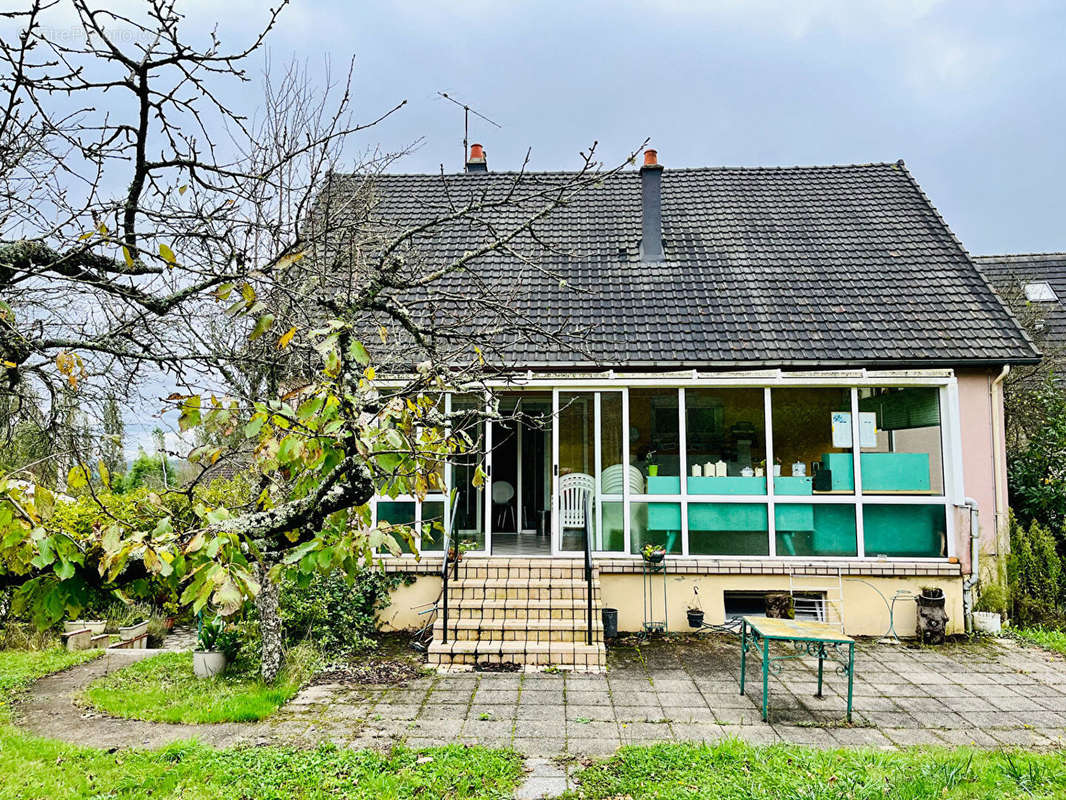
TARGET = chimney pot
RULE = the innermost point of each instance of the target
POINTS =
(476, 162)
(651, 158)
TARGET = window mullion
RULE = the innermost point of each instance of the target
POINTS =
(768, 437)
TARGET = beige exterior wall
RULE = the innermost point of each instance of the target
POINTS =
(402, 614)
(865, 612)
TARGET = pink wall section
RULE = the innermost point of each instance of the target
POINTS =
(980, 460)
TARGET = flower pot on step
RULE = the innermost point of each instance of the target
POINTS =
(208, 663)
(95, 626)
(138, 631)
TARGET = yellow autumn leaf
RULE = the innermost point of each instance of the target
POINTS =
(167, 254)
(126, 255)
(182, 189)
(286, 338)
(369, 373)
(291, 258)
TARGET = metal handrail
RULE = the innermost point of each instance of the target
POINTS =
(449, 522)
(588, 560)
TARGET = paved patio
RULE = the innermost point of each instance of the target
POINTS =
(988, 693)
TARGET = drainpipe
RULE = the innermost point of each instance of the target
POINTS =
(975, 572)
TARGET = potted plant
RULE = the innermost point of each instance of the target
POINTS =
(990, 608)
(695, 610)
(777, 467)
(207, 659)
(653, 553)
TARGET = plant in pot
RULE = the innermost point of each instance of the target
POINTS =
(208, 659)
(653, 553)
(695, 610)
(990, 608)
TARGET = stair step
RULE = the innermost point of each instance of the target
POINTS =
(546, 630)
(571, 654)
(530, 611)
(525, 609)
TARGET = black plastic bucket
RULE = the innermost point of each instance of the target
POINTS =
(610, 622)
(695, 618)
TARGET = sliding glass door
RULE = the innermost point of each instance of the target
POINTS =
(590, 479)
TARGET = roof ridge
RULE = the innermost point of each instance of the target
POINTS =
(707, 168)
(1007, 256)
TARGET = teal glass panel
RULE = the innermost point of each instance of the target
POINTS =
(400, 514)
(655, 523)
(815, 530)
(734, 529)
(905, 531)
(432, 525)
(613, 536)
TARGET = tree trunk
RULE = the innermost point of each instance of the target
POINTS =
(269, 625)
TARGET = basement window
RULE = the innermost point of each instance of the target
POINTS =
(1040, 292)
(808, 605)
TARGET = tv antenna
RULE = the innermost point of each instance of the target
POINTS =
(467, 111)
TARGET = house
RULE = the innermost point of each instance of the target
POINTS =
(791, 382)
(1036, 281)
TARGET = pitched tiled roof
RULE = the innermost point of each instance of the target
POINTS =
(1010, 273)
(799, 266)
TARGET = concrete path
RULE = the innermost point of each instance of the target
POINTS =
(990, 693)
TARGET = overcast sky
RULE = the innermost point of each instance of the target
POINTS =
(970, 94)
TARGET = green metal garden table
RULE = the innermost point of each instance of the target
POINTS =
(816, 639)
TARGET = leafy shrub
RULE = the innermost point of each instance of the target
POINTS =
(338, 615)
(1036, 462)
(993, 598)
(1035, 575)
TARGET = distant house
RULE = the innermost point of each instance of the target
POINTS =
(1037, 280)
(791, 383)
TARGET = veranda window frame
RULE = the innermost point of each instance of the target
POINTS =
(944, 381)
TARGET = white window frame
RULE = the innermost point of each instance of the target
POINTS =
(951, 454)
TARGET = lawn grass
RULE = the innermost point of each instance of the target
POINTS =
(733, 770)
(42, 768)
(163, 688)
(33, 768)
(1048, 639)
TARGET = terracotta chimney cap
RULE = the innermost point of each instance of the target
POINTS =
(651, 158)
(477, 152)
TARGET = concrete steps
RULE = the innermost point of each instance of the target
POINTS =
(532, 612)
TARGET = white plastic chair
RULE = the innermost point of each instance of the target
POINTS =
(502, 494)
(611, 479)
(574, 491)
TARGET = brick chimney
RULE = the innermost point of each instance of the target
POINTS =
(476, 161)
(651, 188)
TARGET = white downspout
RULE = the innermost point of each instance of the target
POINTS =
(975, 572)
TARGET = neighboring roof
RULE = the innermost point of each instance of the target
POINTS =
(797, 266)
(1010, 273)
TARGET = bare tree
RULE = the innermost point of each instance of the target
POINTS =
(130, 225)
